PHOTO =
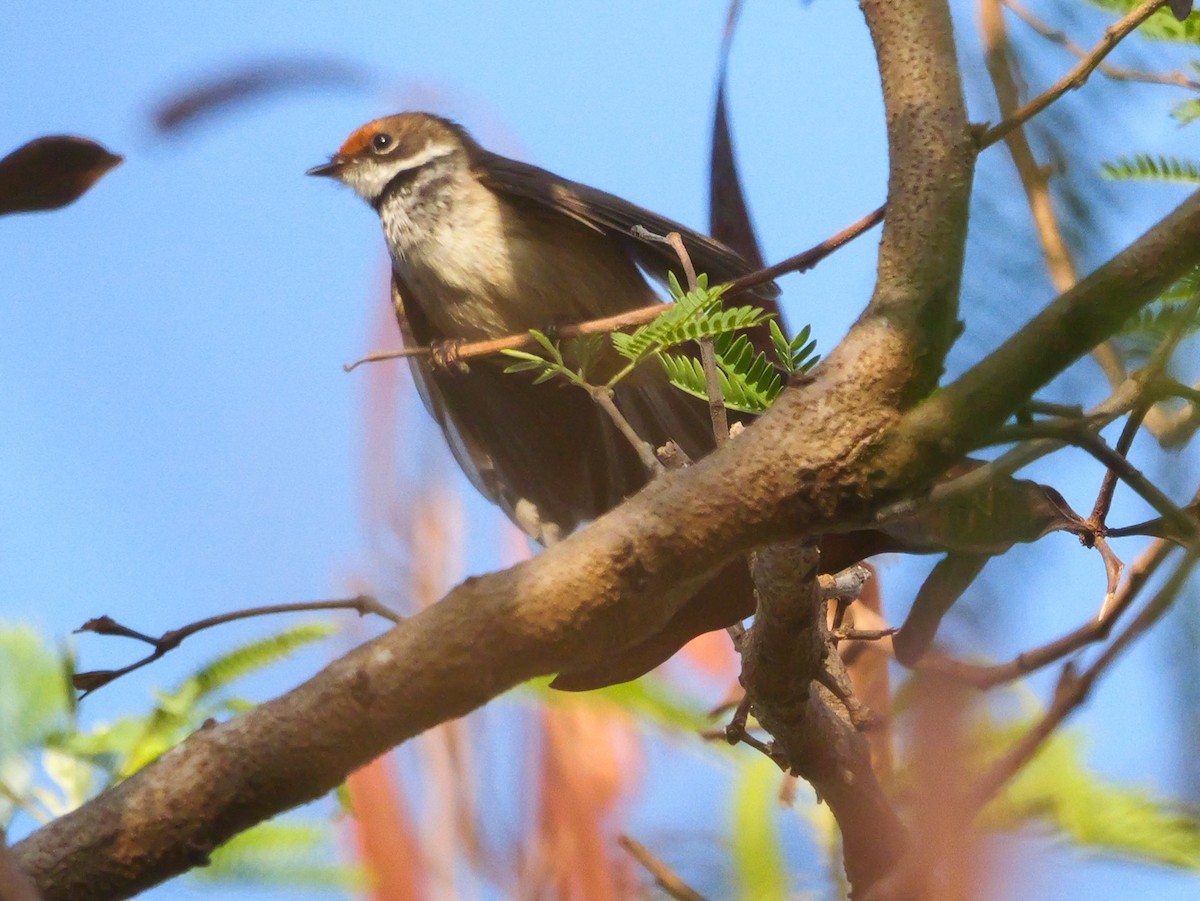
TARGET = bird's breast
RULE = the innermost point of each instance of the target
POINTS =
(486, 269)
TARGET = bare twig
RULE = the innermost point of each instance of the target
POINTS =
(666, 878)
(1108, 486)
(801, 262)
(1117, 73)
(1124, 399)
(88, 682)
(849, 633)
(603, 397)
(1073, 688)
(1078, 75)
(1074, 433)
(805, 260)
(1035, 179)
(1097, 629)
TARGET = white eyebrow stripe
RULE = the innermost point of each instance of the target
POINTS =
(426, 154)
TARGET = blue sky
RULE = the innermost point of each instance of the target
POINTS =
(179, 436)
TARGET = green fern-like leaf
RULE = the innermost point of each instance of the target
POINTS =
(1150, 326)
(1146, 329)
(749, 382)
(796, 355)
(548, 364)
(1056, 787)
(1185, 288)
(644, 341)
(283, 854)
(1187, 112)
(257, 655)
(1145, 167)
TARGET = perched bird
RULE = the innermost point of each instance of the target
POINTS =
(483, 246)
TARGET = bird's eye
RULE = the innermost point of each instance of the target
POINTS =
(382, 142)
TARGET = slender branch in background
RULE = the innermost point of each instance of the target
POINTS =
(1177, 78)
(1073, 433)
(1108, 487)
(1137, 574)
(1078, 76)
(664, 877)
(1035, 179)
(88, 682)
(1149, 376)
(1073, 689)
(1124, 399)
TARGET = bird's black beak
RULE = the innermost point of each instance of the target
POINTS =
(329, 170)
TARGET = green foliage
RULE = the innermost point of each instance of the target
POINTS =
(761, 873)
(50, 764)
(749, 380)
(1187, 112)
(796, 355)
(1153, 168)
(693, 315)
(35, 693)
(283, 853)
(1058, 789)
(1150, 325)
(651, 699)
(548, 366)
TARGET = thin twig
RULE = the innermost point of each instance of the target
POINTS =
(1075, 433)
(1049, 408)
(1035, 179)
(1078, 76)
(1073, 689)
(801, 262)
(984, 677)
(664, 876)
(849, 633)
(1108, 487)
(708, 354)
(805, 260)
(1124, 399)
(88, 682)
(603, 397)
(1116, 73)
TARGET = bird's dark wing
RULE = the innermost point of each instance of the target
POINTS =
(613, 216)
(545, 454)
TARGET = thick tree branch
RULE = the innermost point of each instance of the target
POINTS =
(932, 156)
(789, 668)
(979, 401)
(823, 459)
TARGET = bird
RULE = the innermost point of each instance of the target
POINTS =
(483, 246)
